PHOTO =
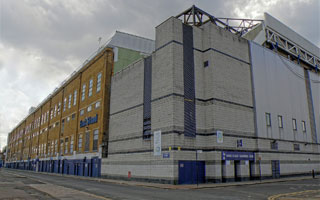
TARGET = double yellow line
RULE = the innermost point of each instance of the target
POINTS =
(274, 197)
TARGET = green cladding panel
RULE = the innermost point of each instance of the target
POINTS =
(125, 57)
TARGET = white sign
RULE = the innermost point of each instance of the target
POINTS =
(219, 137)
(199, 151)
(246, 162)
(227, 162)
(157, 143)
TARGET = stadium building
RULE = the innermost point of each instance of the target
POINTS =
(210, 100)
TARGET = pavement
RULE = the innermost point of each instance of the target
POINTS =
(181, 187)
(21, 184)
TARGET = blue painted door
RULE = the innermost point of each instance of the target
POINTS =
(95, 167)
(86, 169)
(56, 166)
(191, 172)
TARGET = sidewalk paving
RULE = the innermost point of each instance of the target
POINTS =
(175, 187)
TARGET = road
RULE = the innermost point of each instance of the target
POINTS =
(16, 184)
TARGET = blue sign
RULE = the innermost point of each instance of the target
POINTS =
(89, 120)
(235, 155)
(166, 155)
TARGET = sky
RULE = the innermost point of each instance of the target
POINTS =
(44, 41)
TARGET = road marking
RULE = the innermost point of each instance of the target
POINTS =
(274, 197)
(48, 188)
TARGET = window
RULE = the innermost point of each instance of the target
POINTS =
(268, 119)
(47, 117)
(97, 105)
(71, 144)
(62, 126)
(69, 103)
(80, 143)
(304, 129)
(64, 104)
(44, 149)
(75, 97)
(81, 112)
(83, 92)
(296, 147)
(89, 108)
(61, 146)
(206, 63)
(280, 122)
(66, 143)
(274, 145)
(95, 140)
(59, 108)
(52, 147)
(99, 82)
(294, 124)
(73, 116)
(90, 87)
(55, 110)
(68, 119)
(87, 141)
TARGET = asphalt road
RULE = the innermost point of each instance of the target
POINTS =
(17, 184)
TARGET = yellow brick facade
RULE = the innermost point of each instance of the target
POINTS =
(53, 129)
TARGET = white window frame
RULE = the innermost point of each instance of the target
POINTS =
(294, 124)
(64, 104)
(99, 76)
(80, 141)
(97, 104)
(90, 87)
(83, 94)
(69, 103)
(280, 121)
(89, 109)
(303, 124)
(268, 119)
(75, 97)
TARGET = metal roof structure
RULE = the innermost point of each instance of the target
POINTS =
(197, 17)
(269, 30)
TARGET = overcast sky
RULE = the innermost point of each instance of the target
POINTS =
(43, 41)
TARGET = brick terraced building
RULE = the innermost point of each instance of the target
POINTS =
(204, 102)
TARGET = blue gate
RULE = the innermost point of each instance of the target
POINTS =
(191, 172)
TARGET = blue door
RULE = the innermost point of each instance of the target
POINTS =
(95, 167)
(56, 166)
(86, 169)
(191, 172)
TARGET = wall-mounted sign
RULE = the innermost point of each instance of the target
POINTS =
(235, 155)
(219, 137)
(157, 143)
(166, 155)
(89, 120)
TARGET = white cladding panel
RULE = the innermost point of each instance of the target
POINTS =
(279, 90)
(315, 87)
